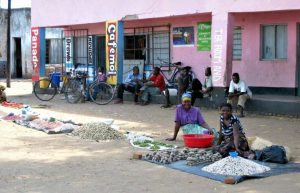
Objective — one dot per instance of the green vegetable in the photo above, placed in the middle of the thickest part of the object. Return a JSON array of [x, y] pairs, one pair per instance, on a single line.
[[155, 147], [147, 141], [137, 143], [144, 145]]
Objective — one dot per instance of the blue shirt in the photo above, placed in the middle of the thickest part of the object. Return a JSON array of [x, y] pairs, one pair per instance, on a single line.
[[131, 77]]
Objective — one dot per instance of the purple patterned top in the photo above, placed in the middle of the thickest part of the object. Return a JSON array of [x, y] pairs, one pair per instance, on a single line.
[[192, 116]]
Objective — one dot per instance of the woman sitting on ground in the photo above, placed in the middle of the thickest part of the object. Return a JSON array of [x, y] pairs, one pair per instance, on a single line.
[[231, 136], [189, 119]]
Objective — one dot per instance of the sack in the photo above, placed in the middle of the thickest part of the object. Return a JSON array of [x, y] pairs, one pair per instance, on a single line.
[[274, 153]]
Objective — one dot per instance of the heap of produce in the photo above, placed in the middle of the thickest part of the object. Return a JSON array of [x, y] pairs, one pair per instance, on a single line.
[[193, 156], [98, 132], [235, 166]]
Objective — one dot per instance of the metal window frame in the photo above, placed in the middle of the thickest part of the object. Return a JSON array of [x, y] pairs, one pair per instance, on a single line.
[[241, 49], [275, 42]]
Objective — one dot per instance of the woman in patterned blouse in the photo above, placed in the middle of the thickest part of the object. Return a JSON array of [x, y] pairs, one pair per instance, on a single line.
[[232, 135]]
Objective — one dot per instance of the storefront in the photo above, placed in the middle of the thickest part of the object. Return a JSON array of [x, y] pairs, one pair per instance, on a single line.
[[235, 40]]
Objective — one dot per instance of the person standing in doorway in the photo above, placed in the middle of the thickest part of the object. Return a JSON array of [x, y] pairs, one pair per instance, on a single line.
[[239, 93]]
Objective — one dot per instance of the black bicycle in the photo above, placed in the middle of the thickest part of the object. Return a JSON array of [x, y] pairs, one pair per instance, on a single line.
[[46, 88], [171, 72]]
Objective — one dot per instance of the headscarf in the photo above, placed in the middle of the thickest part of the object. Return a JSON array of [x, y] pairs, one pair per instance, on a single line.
[[186, 97]]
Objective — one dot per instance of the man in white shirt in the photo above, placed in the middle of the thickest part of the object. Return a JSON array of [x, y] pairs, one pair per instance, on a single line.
[[238, 92]]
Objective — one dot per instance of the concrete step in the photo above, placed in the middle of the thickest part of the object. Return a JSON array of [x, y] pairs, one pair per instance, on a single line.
[[263, 104]]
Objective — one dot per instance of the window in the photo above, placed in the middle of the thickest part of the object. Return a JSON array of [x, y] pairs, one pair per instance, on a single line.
[[274, 42], [47, 51], [53, 51], [237, 44], [135, 47]]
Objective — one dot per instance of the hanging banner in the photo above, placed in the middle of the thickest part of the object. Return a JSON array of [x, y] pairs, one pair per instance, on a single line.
[[35, 52], [69, 53], [204, 36], [38, 52], [112, 51], [90, 50]]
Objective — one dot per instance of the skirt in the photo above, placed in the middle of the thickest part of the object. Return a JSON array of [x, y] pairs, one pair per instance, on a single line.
[[227, 145]]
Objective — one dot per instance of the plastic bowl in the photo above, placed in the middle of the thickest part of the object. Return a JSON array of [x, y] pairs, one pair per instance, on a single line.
[[198, 140]]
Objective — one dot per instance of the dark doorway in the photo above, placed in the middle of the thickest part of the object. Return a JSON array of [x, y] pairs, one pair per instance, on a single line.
[[100, 47], [18, 58], [298, 60]]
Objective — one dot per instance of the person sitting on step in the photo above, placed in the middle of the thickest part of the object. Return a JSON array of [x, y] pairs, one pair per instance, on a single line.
[[239, 93], [132, 84], [154, 85]]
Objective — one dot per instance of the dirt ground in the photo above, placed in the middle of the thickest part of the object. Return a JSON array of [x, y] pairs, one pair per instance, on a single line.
[[32, 161]]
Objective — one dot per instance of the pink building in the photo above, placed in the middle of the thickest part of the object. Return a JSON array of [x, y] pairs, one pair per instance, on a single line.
[[258, 39]]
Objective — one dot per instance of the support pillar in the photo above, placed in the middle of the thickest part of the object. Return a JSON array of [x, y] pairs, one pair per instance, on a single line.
[[221, 62]]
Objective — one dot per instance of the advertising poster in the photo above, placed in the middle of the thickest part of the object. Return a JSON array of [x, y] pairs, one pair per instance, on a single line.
[[204, 36], [183, 36], [69, 53], [111, 51]]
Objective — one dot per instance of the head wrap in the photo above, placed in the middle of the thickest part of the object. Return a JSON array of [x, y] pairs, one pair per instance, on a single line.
[[186, 97]]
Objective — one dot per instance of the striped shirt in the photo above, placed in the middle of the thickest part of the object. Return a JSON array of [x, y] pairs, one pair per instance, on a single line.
[[228, 130]]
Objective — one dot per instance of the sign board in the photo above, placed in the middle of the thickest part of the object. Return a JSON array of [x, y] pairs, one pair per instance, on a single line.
[[90, 50], [35, 52], [111, 51], [69, 53], [204, 36]]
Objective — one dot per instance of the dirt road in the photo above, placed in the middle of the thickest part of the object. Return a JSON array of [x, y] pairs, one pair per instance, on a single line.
[[32, 161]]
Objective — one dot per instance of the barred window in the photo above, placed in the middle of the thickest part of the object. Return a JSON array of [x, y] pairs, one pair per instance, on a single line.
[[237, 44]]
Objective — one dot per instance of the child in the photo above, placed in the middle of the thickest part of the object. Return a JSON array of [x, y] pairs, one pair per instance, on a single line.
[[101, 77], [232, 135], [2, 94]]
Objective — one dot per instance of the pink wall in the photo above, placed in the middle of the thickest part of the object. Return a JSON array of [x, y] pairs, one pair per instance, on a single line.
[[255, 72], [187, 55], [57, 12]]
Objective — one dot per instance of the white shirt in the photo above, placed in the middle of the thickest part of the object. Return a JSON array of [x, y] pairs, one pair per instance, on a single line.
[[208, 82], [240, 87]]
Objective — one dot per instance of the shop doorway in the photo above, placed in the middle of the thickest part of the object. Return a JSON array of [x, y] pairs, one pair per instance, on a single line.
[[18, 58], [298, 60], [100, 55]]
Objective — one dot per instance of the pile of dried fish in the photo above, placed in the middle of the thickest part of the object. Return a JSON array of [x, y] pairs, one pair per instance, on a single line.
[[193, 156], [97, 132], [235, 166], [202, 156]]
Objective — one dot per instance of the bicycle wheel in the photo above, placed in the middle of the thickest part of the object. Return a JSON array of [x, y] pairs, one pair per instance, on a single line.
[[101, 93], [45, 90], [73, 91]]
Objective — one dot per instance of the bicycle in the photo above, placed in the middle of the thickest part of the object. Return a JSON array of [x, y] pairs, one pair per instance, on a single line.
[[174, 68], [46, 89], [101, 92]]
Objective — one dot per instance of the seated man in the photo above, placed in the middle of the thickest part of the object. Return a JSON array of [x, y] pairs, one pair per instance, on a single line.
[[199, 90], [131, 84], [238, 92], [155, 85], [184, 81]]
